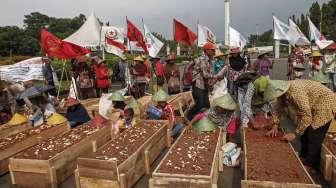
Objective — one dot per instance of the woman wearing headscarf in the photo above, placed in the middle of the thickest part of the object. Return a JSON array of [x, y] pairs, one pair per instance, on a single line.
[[235, 67]]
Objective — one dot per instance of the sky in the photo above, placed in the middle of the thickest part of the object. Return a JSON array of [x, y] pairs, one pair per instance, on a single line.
[[247, 16]]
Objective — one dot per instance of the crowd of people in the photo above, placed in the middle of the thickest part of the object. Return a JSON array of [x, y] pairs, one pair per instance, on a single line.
[[249, 91]]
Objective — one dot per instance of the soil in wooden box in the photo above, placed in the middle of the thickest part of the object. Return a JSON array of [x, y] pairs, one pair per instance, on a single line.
[[192, 155], [270, 159], [49, 148], [127, 142], [329, 143], [10, 140]]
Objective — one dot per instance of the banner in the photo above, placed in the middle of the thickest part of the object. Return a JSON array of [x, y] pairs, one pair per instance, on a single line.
[[237, 39], [280, 30], [296, 36], [205, 35], [183, 34], [30, 69], [113, 38], [154, 45], [318, 37]]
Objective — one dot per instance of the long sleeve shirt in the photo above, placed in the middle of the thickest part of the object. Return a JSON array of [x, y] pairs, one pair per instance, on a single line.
[[314, 104]]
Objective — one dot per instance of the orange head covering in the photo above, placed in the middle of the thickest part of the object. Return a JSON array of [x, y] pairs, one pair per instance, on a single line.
[[209, 46]]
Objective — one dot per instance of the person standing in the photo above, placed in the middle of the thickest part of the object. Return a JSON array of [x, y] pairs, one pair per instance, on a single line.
[[122, 64], [202, 79], [139, 73], [263, 64], [316, 63], [93, 68], [315, 108], [102, 74], [172, 74], [330, 66], [236, 66], [159, 74], [48, 75]]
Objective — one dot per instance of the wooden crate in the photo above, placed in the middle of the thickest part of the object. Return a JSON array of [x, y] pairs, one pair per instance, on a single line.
[[165, 180], [245, 183], [49, 173], [7, 130], [29, 142], [328, 165], [94, 173]]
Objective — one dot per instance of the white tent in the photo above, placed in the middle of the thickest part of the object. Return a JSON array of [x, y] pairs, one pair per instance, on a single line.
[[88, 35]]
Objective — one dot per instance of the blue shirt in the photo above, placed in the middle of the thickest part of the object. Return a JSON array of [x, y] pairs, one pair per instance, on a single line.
[[218, 66]]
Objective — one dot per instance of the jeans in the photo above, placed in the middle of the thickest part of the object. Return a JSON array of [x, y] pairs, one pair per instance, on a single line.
[[230, 87], [333, 80], [311, 143], [201, 97], [177, 130]]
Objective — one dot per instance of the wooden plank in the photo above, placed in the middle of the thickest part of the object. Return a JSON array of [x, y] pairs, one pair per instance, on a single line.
[[14, 129], [267, 184], [326, 163], [28, 142], [86, 182]]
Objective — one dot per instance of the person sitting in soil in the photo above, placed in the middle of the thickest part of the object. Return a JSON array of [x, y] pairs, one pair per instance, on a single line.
[[315, 108], [161, 98], [221, 114], [76, 113], [118, 100]]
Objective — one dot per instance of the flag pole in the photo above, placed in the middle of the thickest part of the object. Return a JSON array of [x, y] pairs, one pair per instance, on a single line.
[[60, 83]]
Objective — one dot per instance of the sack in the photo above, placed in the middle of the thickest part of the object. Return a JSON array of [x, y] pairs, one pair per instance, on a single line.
[[233, 125], [173, 85]]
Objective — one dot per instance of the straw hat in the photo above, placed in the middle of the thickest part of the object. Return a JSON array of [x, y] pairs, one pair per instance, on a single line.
[[18, 119], [316, 54], [71, 102], [321, 77], [139, 58], [204, 125], [299, 67], [220, 54], [226, 102], [263, 52], [160, 96], [56, 119], [117, 96], [171, 57], [275, 88]]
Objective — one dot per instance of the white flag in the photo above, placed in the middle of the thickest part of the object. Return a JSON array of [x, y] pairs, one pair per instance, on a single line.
[[73, 89], [315, 34], [133, 46], [237, 39], [205, 35], [280, 30], [296, 36], [153, 44], [113, 38]]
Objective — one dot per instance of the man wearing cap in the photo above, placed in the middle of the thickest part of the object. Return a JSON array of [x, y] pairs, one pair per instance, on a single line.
[[139, 73], [76, 113], [263, 65], [315, 108], [172, 74], [203, 79]]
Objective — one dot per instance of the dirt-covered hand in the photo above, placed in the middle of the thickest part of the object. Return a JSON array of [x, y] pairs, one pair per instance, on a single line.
[[273, 132], [288, 137]]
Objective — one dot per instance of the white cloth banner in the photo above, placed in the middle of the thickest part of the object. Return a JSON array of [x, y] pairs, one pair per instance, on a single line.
[[117, 35], [280, 30], [296, 36], [315, 34], [105, 104], [73, 89], [205, 35], [132, 45], [29, 69], [153, 44], [237, 39]]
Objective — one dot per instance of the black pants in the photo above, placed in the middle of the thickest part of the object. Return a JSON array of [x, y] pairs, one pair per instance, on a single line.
[[311, 143], [52, 91], [201, 98]]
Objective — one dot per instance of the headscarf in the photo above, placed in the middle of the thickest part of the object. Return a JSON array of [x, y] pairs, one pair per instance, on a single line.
[[237, 63], [221, 120]]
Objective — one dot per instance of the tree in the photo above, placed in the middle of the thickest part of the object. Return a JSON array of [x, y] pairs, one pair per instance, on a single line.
[[315, 13]]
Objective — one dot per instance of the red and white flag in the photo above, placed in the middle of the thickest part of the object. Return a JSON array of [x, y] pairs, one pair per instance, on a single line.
[[183, 34], [135, 35], [114, 39], [205, 35], [316, 35]]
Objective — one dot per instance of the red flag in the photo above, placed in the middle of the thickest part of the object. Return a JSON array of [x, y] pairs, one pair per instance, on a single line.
[[115, 43], [183, 34], [134, 34], [55, 47]]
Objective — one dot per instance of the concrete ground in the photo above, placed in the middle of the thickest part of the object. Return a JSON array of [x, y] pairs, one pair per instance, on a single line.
[[230, 177]]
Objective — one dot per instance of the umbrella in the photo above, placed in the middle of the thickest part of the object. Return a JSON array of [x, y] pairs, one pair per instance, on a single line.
[[34, 91]]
